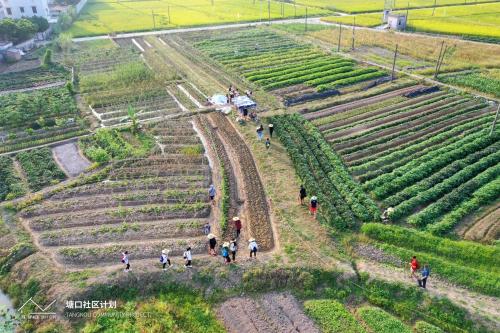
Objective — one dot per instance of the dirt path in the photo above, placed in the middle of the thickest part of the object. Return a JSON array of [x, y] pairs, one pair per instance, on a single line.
[[268, 313], [70, 159], [480, 305]]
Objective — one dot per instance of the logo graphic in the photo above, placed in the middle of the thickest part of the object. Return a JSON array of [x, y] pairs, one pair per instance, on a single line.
[[43, 311]]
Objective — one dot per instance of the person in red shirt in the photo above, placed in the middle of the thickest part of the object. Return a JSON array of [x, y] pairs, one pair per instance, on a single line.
[[237, 225], [414, 266]]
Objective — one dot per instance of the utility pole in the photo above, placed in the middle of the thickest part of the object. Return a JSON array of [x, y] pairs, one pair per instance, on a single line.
[[495, 120], [353, 28], [306, 21], [168, 11], [439, 57], [442, 58], [394, 63], [434, 8], [269, 12], [153, 16], [407, 12], [340, 37]]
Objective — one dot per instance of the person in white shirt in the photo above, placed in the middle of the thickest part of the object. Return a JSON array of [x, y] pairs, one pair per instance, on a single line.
[[164, 259], [233, 247], [188, 257], [253, 247], [125, 261]]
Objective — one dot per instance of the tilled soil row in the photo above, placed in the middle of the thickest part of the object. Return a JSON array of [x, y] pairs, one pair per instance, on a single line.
[[113, 217], [258, 219], [228, 170], [101, 203], [360, 103], [102, 254], [137, 173], [485, 229], [269, 313], [123, 232]]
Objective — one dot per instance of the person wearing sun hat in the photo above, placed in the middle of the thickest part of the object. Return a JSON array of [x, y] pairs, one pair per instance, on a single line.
[[253, 247], [313, 207], [212, 242], [225, 253], [233, 247], [237, 225], [271, 129], [164, 259]]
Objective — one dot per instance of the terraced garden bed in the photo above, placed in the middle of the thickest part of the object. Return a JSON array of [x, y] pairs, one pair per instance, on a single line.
[[33, 78]]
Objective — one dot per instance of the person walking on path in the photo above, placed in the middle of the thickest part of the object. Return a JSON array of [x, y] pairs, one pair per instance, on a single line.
[[225, 253], [125, 261], [414, 266], [253, 247], [271, 130], [188, 257], [268, 143], [260, 132], [164, 259], [212, 193], [237, 226], [212, 242], [233, 247], [302, 194], [313, 207], [426, 271]]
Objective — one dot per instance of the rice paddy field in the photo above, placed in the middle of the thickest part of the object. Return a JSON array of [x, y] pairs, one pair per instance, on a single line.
[[478, 20], [104, 16]]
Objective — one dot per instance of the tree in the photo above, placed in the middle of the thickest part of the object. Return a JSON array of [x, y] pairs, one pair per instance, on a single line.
[[47, 58], [41, 23], [65, 42], [25, 29], [134, 128]]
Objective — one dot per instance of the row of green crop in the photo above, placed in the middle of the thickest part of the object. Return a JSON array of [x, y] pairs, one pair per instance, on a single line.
[[412, 130], [333, 84], [424, 166], [378, 320], [448, 185], [332, 316], [305, 69], [317, 162], [32, 77], [10, 184], [483, 196], [466, 253], [290, 66], [453, 198], [485, 282], [393, 110], [257, 62], [438, 177], [448, 110], [390, 155], [40, 168]]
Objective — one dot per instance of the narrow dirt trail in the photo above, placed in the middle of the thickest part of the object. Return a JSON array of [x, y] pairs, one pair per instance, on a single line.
[[480, 305]]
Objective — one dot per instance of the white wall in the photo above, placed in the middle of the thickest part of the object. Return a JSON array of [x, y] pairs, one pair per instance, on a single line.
[[16, 6]]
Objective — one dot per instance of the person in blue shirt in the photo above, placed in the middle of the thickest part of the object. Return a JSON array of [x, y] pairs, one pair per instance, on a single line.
[[426, 271], [211, 193]]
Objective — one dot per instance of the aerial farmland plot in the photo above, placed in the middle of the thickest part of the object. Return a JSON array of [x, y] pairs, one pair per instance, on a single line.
[[116, 156]]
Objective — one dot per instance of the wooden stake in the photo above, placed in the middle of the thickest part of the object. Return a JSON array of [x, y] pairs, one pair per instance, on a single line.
[[353, 28], [306, 20], [439, 57], [153, 15], [442, 58], [340, 37], [434, 8]]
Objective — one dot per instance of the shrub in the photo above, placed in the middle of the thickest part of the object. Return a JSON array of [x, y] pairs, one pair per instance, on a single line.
[[424, 327]]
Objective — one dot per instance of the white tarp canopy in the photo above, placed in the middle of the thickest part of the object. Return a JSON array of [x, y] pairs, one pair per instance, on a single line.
[[243, 102], [218, 99]]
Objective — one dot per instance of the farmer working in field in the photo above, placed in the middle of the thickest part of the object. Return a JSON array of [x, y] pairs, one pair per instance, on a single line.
[[425, 274], [211, 193], [233, 247], [212, 242], [237, 225], [313, 206], [414, 266], [253, 247], [164, 259], [302, 194], [225, 253], [188, 257], [126, 261]]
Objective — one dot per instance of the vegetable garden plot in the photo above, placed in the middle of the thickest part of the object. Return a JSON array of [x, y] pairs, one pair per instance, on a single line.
[[269, 313], [40, 168], [38, 117], [425, 156], [11, 185], [33, 78], [143, 206], [273, 61]]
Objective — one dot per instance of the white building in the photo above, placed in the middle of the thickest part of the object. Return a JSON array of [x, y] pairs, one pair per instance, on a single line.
[[396, 21], [24, 8]]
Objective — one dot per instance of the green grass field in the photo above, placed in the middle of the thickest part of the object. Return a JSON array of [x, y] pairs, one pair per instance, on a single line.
[[360, 6], [481, 20], [106, 16]]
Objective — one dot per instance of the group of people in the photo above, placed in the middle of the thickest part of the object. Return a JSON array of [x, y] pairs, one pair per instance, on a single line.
[[164, 259], [313, 202], [421, 275], [260, 134]]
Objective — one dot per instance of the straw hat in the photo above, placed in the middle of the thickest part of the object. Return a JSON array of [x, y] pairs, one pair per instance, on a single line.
[[165, 251], [210, 236], [314, 197], [236, 218], [251, 240], [270, 125], [226, 244]]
